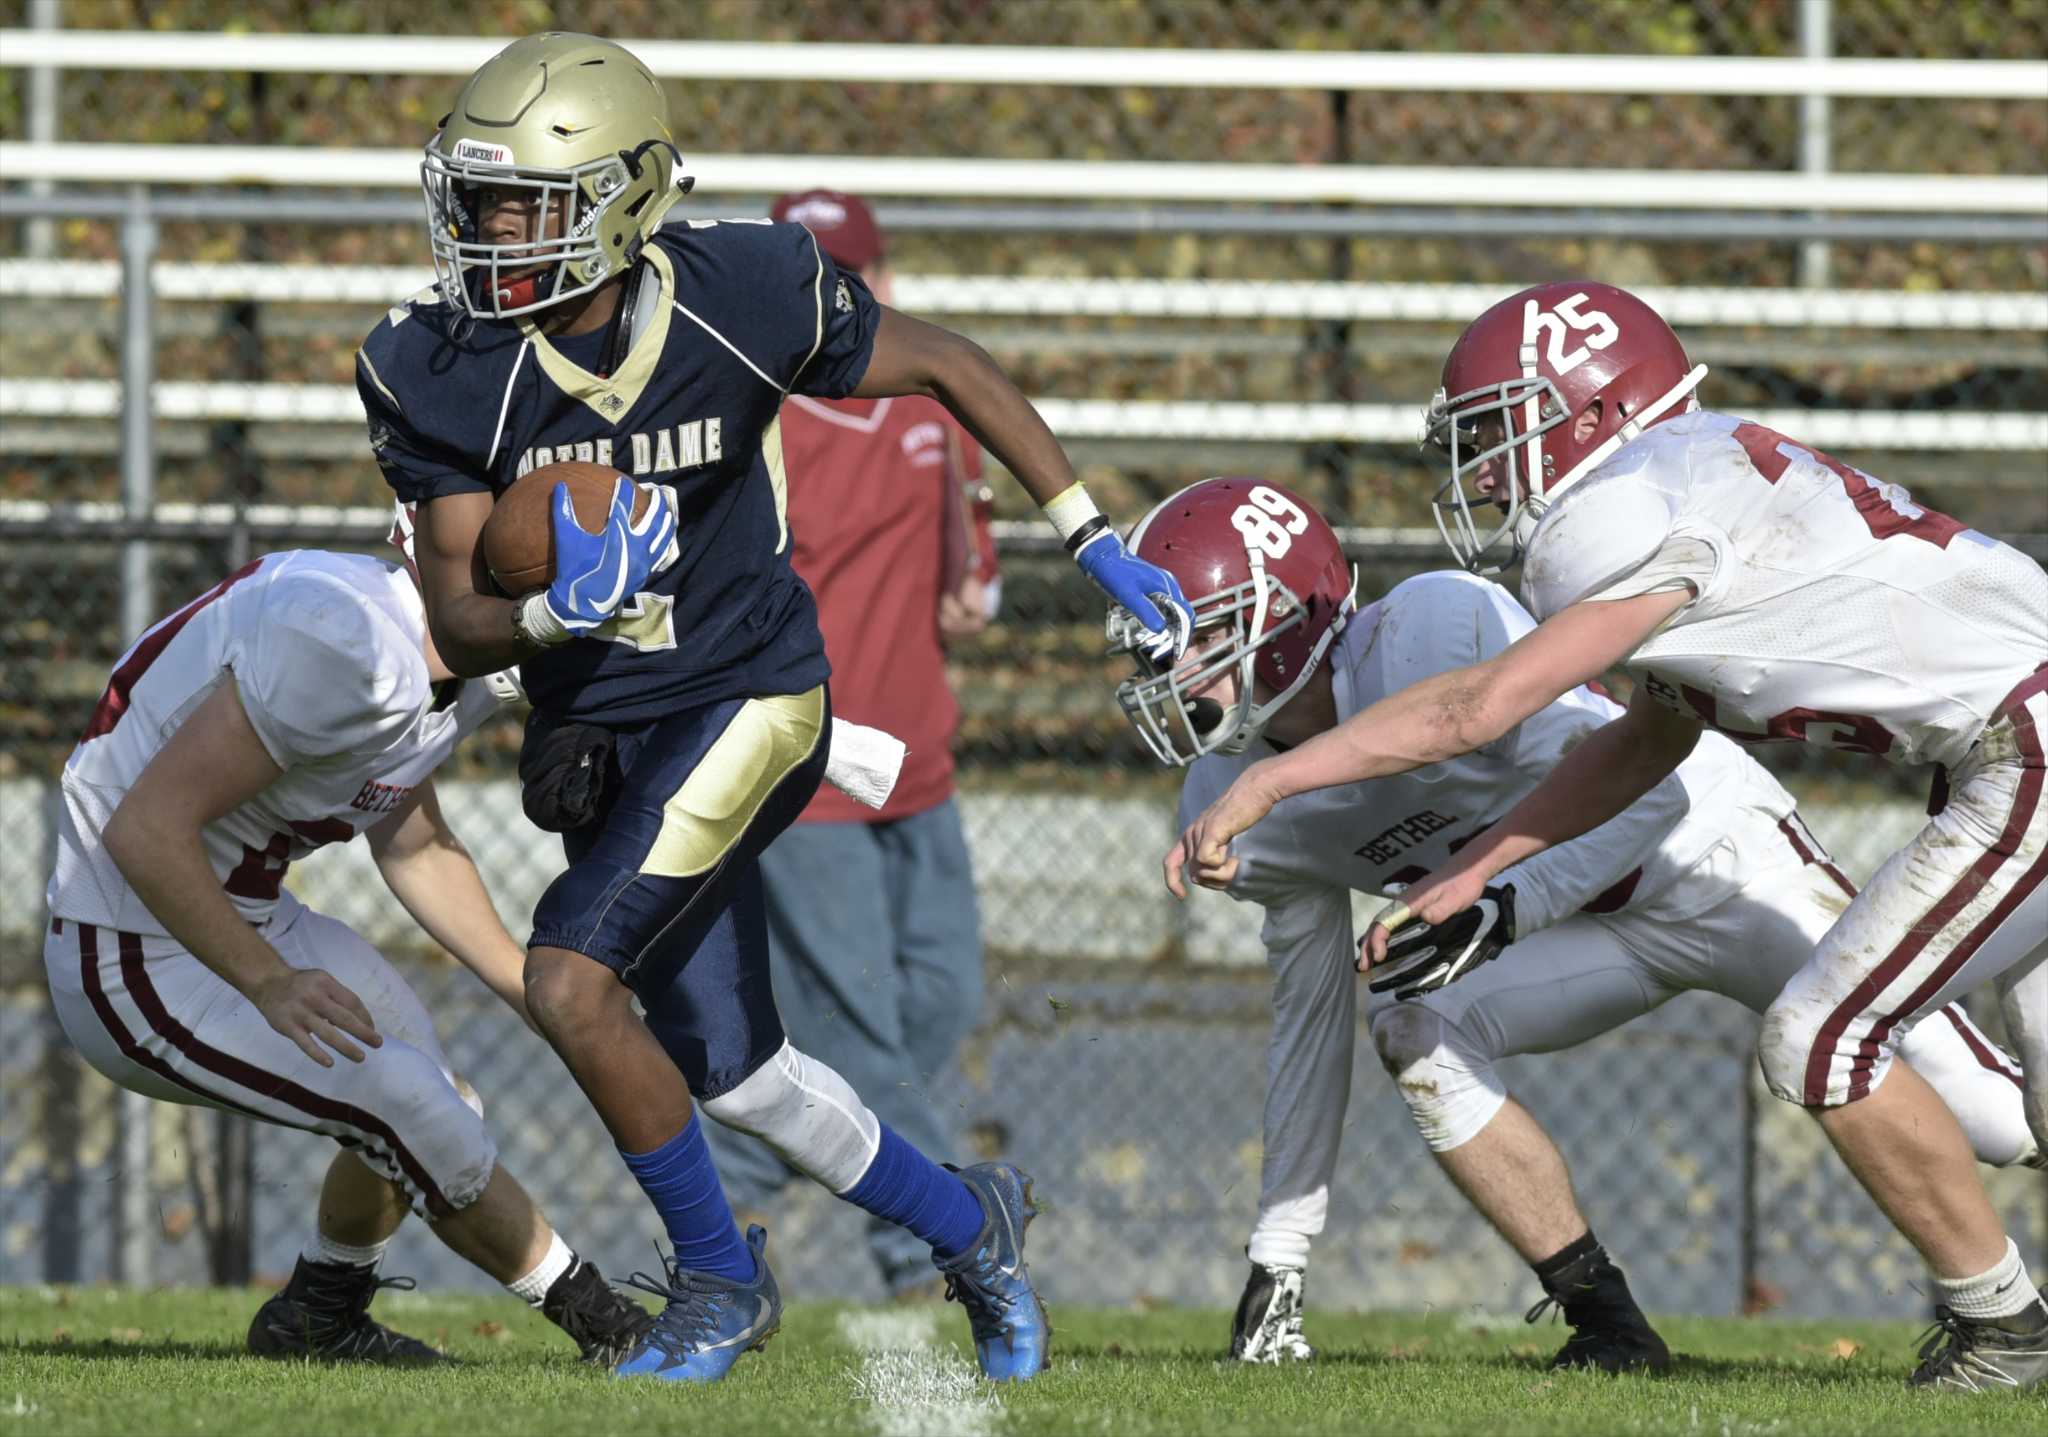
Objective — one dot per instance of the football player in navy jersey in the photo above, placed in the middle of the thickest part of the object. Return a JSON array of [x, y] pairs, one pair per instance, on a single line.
[[674, 662]]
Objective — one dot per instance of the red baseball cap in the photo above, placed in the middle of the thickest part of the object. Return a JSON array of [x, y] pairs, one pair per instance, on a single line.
[[843, 223]]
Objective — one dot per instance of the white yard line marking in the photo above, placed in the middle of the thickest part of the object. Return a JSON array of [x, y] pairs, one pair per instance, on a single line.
[[914, 1388]]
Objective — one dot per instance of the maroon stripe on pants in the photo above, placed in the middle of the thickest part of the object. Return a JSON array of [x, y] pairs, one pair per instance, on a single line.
[[2029, 881], [134, 1052], [1821, 1058], [256, 1080], [1979, 1049], [1797, 834]]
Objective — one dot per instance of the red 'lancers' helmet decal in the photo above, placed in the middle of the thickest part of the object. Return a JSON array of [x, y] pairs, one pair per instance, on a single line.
[[1270, 589], [1514, 388]]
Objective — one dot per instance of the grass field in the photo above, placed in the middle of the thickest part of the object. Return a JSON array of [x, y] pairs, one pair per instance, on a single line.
[[108, 1361]]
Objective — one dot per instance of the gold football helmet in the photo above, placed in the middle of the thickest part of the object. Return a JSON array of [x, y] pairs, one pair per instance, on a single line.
[[575, 131]]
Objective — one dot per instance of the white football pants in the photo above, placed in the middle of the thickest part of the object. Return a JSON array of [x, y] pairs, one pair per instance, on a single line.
[[1553, 990], [156, 1020]]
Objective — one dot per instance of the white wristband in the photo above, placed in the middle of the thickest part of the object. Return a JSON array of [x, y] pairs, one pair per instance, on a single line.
[[538, 622], [1070, 509]]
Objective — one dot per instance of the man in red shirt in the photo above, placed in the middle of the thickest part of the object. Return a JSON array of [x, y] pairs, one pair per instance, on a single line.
[[875, 939]]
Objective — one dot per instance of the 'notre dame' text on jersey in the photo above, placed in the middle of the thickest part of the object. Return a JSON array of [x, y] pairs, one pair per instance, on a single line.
[[746, 312]]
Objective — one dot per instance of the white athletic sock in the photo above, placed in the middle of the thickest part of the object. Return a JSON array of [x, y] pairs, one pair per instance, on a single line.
[[322, 1248], [1273, 1247], [2004, 1290], [534, 1286]]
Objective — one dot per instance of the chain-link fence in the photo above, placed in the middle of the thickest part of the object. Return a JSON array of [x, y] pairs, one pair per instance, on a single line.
[[1122, 1048]]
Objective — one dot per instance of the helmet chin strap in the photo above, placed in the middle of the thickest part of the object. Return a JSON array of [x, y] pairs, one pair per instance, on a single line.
[[1636, 425], [1259, 715], [1249, 718], [523, 291]]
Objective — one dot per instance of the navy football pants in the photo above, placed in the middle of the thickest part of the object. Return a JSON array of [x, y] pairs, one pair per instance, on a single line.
[[664, 887]]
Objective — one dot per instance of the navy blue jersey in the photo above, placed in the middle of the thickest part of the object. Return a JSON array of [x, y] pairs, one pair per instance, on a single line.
[[749, 311]]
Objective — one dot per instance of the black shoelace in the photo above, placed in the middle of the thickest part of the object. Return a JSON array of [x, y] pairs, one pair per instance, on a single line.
[[593, 1314], [346, 1302], [693, 1306]]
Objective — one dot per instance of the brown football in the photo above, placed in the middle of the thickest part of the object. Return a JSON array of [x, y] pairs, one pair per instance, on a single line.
[[519, 540]]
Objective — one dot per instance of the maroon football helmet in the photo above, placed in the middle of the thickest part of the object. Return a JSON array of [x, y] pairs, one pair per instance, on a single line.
[[1270, 589], [1513, 389]]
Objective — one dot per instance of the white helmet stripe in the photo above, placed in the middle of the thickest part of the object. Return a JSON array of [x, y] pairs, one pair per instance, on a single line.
[[1637, 423], [1532, 409]]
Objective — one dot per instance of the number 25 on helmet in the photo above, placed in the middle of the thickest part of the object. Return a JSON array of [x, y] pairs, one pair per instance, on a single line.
[[1271, 591], [1517, 416]]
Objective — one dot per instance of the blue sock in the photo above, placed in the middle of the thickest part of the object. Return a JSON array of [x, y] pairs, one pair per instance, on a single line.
[[910, 1190], [683, 1186]]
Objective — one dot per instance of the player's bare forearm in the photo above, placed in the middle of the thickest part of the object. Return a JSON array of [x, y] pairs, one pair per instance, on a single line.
[[1453, 713], [1611, 769], [210, 766], [1597, 781], [433, 876], [474, 635], [472, 627], [913, 357], [1441, 717], [161, 857], [1601, 778]]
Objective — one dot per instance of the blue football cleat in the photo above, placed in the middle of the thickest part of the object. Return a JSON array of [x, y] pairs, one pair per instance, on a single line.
[[709, 1321], [1011, 1331]]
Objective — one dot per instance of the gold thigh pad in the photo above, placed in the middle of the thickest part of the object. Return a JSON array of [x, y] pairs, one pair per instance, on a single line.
[[766, 739]]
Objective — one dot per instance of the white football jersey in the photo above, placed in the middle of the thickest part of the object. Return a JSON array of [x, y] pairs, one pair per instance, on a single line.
[[1829, 607], [325, 654], [1668, 854]]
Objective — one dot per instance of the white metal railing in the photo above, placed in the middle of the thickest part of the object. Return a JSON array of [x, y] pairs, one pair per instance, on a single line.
[[101, 50], [1107, 298], [1074, 180], [368, 523], [1240, 421], [365, 518]]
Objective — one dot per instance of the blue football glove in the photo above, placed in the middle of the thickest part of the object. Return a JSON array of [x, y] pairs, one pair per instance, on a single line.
[[595, 573], [1151, 594]]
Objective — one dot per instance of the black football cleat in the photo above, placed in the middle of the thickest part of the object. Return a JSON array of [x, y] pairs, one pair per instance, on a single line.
[[1609, 1332], [323, 1314], [604, 1323]]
